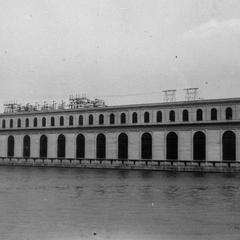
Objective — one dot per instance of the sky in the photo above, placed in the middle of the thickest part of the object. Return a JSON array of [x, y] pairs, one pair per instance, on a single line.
[[124, 51]]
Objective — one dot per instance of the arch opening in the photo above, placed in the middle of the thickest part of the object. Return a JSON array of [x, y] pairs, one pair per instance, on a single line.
[[80, 143], [185, 116], [172, 116], [199, 115], [43, 146], [11, 123], [134, 117], [43, 122], [123, 118], [159, 116], [27, 122], [146, 146], [213, 114], [61, 121], [52, 121], [146, 117], [199, 146], [80, 120], [19, 123], [228, 113], [101, 119], [123, 146], [26, 146], [172, 146], [90, 119], [35, 122], [229, 146], [10, 146], [101, 146], [112, 118], [70, 120], [61, 146]]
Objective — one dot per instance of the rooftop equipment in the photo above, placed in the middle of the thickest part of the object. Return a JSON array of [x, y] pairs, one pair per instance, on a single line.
[[75, 102]]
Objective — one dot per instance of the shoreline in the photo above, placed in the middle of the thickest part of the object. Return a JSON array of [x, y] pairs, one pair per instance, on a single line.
[[148, 165]]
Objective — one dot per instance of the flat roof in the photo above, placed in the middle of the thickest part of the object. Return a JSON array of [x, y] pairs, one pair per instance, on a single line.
[[130, 106]]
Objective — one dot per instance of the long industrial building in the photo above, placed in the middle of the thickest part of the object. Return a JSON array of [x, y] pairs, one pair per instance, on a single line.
[[207, 130]]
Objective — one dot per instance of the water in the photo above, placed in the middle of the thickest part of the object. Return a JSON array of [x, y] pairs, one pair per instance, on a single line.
[[41, 203]]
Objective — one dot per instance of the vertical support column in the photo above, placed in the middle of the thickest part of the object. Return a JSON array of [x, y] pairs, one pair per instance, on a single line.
[[35, 145], [3, 145], [158, 145], [237, 112], [70, 145], [213, 145], [111, 145], [18, 145], [134, 142], [52, 145], [90, 145], [237, 145], [185, 145]]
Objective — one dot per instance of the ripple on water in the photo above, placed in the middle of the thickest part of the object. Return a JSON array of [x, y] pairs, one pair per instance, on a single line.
[[75, 204]]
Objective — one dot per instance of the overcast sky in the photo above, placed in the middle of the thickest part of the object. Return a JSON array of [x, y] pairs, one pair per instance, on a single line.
[[52, 48]]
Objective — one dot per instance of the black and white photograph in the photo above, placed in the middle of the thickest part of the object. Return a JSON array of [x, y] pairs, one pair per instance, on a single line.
[[120, 120]]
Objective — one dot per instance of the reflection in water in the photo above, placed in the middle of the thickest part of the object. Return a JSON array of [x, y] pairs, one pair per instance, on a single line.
[[37, 203]]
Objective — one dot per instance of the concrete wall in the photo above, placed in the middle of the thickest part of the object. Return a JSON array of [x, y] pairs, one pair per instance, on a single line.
[[134, 150], [185, 143], [159, 145], [90, 145], [213, 147]]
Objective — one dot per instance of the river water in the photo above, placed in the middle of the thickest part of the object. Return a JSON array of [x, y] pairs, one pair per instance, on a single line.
[[64, 204]]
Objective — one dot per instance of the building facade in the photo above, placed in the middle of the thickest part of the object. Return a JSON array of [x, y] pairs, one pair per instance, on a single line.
[[207, 130]]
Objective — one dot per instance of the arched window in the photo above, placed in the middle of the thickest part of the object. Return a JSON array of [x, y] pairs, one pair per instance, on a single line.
[[101, 119], [213, 114], [90, 119], [134, 117], [123, 118], [80, 146], [172, 116], [3, 123], [123, 146], [35, 122], [11, 123], [185, 115], [52, 121], [172, 146], [44, 122], [159, 116], [228, 113], [61, 146], [199, 146], [19, 123], [43, 146], [199, 115], [101, 146], [61, 121], [27, 122], [70, 120], [146, 146], [146, 117], [112, 118], [26, 146], [10, 146], [80, 120], [229, 146]]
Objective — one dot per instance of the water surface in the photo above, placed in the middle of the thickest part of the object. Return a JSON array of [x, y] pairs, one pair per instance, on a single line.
[[54, 203]]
